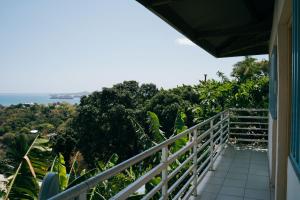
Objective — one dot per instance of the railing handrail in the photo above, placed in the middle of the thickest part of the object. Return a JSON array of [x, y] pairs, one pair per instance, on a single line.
[[200, 165], [249, 109], [93, 181]]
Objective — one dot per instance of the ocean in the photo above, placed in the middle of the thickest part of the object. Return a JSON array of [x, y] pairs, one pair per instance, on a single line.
[[13, 99]]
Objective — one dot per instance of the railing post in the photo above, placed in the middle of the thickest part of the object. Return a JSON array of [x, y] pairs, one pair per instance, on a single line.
[[222, 136], [195, 138], [164, 173], [228, 131], [191, 138], [211, 145]]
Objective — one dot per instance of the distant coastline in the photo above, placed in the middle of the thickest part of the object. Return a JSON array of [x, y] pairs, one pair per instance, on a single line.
[[68, 95], [7, 99]]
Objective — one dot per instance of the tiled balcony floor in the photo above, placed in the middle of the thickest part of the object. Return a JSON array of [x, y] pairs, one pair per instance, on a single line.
[[241, 174]]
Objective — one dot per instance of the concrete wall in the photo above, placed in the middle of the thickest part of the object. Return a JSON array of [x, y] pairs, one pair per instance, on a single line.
[[293, 189], [283, 109], [279, 132]]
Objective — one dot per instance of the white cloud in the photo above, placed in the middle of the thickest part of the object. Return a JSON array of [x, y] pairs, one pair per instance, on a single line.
[[184, 41]]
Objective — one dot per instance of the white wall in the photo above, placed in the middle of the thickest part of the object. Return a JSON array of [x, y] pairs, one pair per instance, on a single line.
[[279, 129], [293, 183]]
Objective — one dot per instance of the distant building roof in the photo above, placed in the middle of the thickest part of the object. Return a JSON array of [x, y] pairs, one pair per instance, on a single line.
[[223, 28], [34, 131]]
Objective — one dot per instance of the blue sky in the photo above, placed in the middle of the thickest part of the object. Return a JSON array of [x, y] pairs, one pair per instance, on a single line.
[[72, 45]]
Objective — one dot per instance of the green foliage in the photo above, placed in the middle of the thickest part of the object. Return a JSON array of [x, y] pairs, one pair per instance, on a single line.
[[178, 128], [59, 166], [23, 118], [249, 69], [18, 148], [65, 141], [105, 121], [109, 188], [166, 105], [140, 132], [74, 170], [154, 126], [147, 91], [34, 163], [180, 123], [111, 125], [20, 119]]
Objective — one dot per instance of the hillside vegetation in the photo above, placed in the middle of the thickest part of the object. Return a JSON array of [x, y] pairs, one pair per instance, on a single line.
[[112, 125]]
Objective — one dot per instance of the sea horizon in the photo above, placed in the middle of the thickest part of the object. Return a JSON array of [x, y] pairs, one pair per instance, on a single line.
[[8, 99]]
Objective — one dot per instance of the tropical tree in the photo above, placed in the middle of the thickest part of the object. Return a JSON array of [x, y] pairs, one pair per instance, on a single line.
[[166, 105], [249, 68]]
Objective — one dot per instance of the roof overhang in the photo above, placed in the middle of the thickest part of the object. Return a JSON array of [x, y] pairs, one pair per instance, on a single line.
[[224, 28]]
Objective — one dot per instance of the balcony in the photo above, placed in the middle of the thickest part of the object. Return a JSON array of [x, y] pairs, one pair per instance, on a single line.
[[223, 157], [241, 172]]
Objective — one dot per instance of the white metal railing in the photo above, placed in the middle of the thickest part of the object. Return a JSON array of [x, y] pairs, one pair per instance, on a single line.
[[201, 150], [248, 125], [197, 157]]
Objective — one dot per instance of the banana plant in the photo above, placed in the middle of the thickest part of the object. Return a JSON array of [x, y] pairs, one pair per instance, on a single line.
[[146, 142], [108, 188], [158, 137], [102, 191], [24, 183], [158, 134], [59, 167], [178, 128]]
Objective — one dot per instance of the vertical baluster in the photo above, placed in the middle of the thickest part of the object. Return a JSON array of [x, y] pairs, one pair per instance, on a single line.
[[211, 145], [195, 136], [228, 129], [164, 173], [222, 127], [191, 138]]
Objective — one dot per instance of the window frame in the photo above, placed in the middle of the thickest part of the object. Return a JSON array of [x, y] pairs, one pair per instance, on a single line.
[[295, 104]]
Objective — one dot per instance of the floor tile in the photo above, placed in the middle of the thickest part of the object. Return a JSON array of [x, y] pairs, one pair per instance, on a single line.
[[258, 162], [238, 176], [206, 196], [242, 165], [257, 184], [212, 188], [239, 169], [219, 174], [254, 166], [236, 191], [257, 194], [234, 183], [255, 178], [238, 161], [223, 169], [215, 180], [228, 197], [260, 172]]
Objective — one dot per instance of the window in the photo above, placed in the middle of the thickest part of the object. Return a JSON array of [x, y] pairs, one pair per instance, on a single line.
[[273, 84], [295, 107]]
